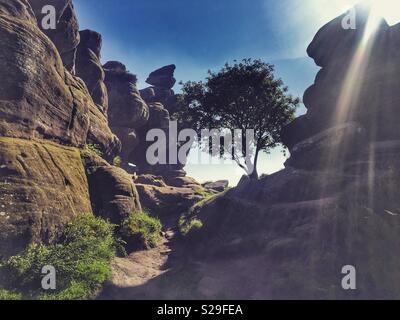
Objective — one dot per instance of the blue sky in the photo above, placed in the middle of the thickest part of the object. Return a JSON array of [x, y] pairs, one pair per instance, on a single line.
[[198, 35]]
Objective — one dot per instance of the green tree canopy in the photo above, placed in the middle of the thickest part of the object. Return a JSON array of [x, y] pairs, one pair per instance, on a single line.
[[244, 96]]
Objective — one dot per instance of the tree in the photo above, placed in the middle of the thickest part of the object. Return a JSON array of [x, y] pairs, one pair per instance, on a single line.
[[241, 96]]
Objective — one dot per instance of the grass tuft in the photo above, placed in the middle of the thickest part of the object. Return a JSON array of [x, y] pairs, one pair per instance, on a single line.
[[140, 228], [82, 261]]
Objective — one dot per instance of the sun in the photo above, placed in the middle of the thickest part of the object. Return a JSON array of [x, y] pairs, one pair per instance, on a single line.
[[388, 9], [329, 9]]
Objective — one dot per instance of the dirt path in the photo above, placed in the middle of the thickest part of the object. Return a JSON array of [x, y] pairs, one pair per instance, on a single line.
[[142, 266], [132, 276]]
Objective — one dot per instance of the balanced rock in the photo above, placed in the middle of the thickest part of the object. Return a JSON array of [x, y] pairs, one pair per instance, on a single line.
[[163, 77]]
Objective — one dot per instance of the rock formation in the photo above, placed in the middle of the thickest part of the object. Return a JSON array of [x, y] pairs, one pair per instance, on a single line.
[[39, 99], [66, 35], [357, 81], [127, 110], [162, 81], [43, 184], [89, 68], [218, 186], [47, 116], [112, 191], [336, 203], [163, 105]]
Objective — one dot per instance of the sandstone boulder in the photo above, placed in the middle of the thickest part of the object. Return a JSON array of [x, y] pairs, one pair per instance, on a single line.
[[127, 108], [158, 119], [113, 194], [165, 201], [163, 77], [219, 186], [43, 186]]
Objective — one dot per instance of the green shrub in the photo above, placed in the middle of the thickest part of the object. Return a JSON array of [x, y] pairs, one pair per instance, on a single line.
[[142, 229], [188, 226], [9, 295], [117, 161], [91, 149], [206, 194], [76, 291], [82, 262]]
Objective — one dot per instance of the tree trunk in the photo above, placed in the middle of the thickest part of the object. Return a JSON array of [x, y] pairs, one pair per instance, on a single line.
[[254, 174]]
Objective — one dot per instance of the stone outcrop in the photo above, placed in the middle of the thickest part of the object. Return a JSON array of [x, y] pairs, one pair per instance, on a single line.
[[66, 34], [127, 110], [100, 134], [46, 115], [38, 98], [162, 81], [218, 186], [357, 81], [162, 103], [89, 68], [151, 180], [337, 201], [166, 201], [163, 77], [113, 194], [42, 187]]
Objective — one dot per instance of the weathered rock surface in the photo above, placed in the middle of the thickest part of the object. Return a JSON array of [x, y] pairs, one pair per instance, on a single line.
[[219, 186], [66, 34], [357, 82], [165, 201], [163, 77], [150, 180], [89, 68], [43, 186], [158, 119], [38, 98], [42, 107], [162, 102], [127, 110], [100, 134], [112, 191]]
